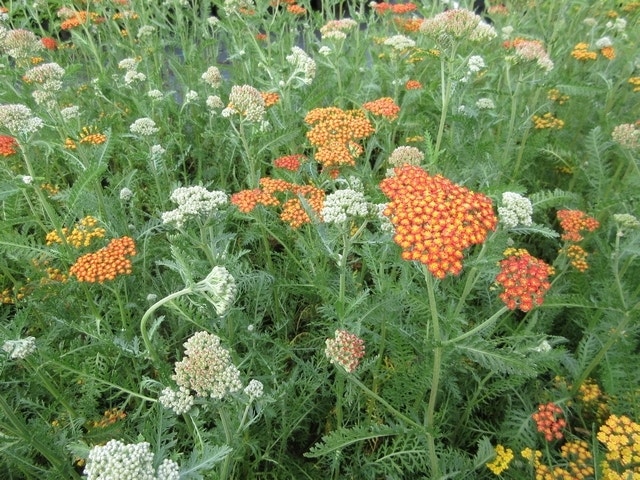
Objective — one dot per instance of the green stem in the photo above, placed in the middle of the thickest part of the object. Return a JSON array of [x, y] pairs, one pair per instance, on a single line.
[[143, 322], [435, 376], [478, 328], [445, 89], [226, 464]]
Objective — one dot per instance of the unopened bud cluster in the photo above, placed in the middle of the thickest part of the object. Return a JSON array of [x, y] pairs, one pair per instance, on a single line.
[[193, 202], [515, 210]]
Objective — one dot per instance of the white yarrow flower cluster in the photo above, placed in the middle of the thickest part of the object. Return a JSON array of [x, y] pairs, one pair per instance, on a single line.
[[69, 113], [304, 66], [155, 94], [145, 31], [400, 42], [214, 102], [406, 155], [20, 349], [207, 368], [485, 104], [246, 101], [192, 202], [20, 44], [118, 461], [131, 75], [180, 401], [144, 126], [254, 390], [19, 119], [220, 288], [515, 210], [213, 77], [342, 205]]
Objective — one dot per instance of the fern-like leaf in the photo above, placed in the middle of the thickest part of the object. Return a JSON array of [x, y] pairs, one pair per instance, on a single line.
[[343, 437]]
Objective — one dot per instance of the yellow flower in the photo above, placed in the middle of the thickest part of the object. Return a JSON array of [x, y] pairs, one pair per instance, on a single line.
[[502, 460]]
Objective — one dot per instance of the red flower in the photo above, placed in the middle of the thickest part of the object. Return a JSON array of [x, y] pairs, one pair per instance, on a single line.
[[573, 222], [524, 279], [49, 43], [8, 145], [549, 421], [435, 220], [289, 162]]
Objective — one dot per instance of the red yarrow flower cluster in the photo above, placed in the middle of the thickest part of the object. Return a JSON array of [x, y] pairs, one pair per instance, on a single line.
[[107, 263], [573, 222], [8, 145], [396, 8], [435, 219], [525, 279], [550, 421], [346, 350], [289, 162]]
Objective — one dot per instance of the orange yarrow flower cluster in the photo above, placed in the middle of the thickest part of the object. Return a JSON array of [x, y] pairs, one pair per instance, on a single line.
[[335, 133], [80, 18], [8, 145], [550, 421], [49, 43], [524, 278], [270, 98], [395, 8], [293, 210], [435, 220], [413, 85], [107, 263], [385, 107], [574, 222], [92, 136]]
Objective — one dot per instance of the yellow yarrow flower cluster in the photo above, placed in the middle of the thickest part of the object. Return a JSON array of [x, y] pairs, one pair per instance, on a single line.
[[547, 121], [82, 234], [621, 437], [577, 462], [556, 96], [635, 81], [502, 460], [581, 52]]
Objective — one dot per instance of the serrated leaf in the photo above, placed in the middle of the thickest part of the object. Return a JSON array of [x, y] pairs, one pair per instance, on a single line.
[[344, 437], [535, 229]]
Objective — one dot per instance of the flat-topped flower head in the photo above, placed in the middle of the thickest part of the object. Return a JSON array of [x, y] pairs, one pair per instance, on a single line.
[[207, 368], [107, 263], [524, 278], [193, 202], [515, 210], [459, 24], [345, 349], [248, 102], [19, 119], [19, 349], [212, 77], [627, 135], [574, 222], [20, 44], [406, 155], [550, 421], [8, 145], [384, 107], [344, 205], [435, 220]]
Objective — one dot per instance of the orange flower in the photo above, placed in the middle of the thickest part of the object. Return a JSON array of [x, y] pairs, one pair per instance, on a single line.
[[581, 52], [413, 85], [334, 132], [8, 145], [397, 8], [107, 263], [608, 52], [408, 24], [385, 107], [289, 162], [524, 279], [270, 98], [92, 136], [578, 257], [296, 9], [575, 221], [262, 37], [435, 220]]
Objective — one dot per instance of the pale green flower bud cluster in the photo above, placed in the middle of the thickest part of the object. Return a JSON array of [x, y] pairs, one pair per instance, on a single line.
[[626, 135], [343, 205], [405, 155], [20, 349], [515, 210], [119, 461], [193, 202], [220, 288], [207, 368], [627, 220]]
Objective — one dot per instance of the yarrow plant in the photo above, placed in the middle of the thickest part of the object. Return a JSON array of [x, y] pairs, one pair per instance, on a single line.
[[345, 349]]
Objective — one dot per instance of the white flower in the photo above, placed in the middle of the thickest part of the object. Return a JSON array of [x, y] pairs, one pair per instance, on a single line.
[[324, 50], [143, 126], [133, 76], [515, 210], [603, 42], [157, 151], [168, 470], [180, 401], [27, 179], [212, 76], [118, 461], [214, 102], [191, 96], [155, 94], [20, 349], [128, 64], [220, 288], [303, 65], [126, 194], [69, 113], [342, 205], [254, 389], [400, 42], [475, 63], [19, 119], [544, 347], [406, 155], [145, 31], [485, 104], [192, 202]]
